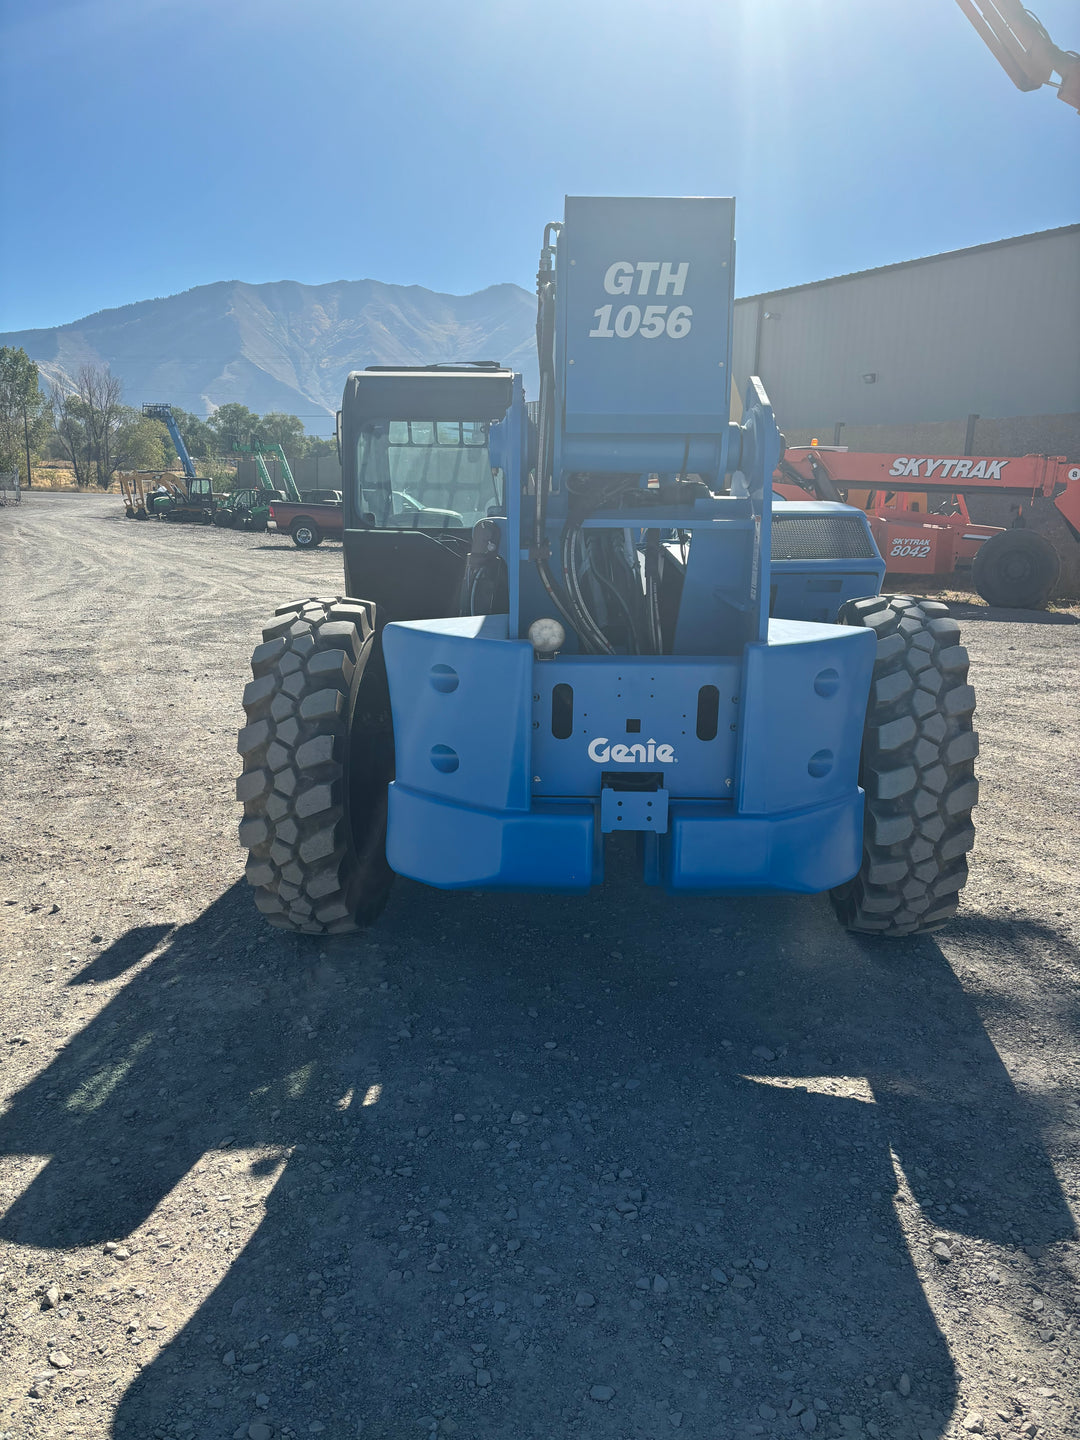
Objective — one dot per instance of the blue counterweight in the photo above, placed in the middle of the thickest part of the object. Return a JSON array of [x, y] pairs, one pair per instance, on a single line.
[[725, 736]]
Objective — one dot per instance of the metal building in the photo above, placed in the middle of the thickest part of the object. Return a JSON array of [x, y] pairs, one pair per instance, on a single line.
[[992, 330]]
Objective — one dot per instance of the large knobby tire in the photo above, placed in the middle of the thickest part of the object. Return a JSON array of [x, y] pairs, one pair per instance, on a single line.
[[1017, 569], [305, 533], [917, 769], [318, 755], [224, 519]]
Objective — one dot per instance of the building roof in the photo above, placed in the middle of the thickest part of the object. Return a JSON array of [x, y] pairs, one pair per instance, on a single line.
[[907, 264]]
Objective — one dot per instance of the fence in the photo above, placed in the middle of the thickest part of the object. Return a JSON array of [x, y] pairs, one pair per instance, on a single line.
[[321, 472], [10, 490]]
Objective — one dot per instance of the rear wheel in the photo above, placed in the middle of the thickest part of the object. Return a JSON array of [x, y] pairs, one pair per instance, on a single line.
[[1017, 569], [318, 756], [917, 769], [305, 533]]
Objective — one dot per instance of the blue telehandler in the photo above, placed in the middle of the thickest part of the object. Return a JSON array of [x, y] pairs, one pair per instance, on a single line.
[[191, 499], [588, 616]]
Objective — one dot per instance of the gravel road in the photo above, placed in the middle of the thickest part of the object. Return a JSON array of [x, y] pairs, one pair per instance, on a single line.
[[614, 1167]]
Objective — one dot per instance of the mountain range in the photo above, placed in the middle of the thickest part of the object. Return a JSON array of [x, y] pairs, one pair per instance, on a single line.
[[282, 345]]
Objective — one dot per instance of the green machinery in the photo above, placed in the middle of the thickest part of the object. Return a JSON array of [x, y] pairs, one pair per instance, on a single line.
[[247, 509], [259, 454]]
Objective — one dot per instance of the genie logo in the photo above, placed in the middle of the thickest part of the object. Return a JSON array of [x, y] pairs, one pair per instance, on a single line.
[[602, 751]]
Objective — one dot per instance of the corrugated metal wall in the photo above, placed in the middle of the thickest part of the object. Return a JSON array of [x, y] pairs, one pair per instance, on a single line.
[[994, 330]]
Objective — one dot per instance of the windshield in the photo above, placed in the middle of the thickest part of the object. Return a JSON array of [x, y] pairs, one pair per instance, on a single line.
[[427, 475]]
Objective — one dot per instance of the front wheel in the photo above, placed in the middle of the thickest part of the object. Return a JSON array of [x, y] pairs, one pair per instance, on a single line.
[[318, 757], [1017, 569], [224, 519], [916, 769], [305, 533]]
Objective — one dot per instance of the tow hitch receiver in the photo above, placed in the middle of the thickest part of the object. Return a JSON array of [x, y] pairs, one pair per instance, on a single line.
[[633, 802]]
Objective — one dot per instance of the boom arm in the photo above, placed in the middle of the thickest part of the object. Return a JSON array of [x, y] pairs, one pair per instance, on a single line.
[[1022, 47], [264, 475], [164, 413], [286, 473], [1027, 476]]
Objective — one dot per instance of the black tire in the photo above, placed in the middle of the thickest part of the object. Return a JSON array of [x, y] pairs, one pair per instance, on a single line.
[[318, 755], [141, 515], [917, 769], [224, 519], [305, 533], [1017, 569], [129, 511]]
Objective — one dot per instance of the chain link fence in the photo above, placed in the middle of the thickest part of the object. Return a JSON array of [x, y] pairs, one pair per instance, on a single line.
[[10, 489]]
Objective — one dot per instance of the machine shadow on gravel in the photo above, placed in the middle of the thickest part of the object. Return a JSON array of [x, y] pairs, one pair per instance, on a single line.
[[622, 1119], [132, 947]]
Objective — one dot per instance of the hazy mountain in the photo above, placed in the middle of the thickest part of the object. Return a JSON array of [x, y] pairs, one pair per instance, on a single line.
[[284, 346]]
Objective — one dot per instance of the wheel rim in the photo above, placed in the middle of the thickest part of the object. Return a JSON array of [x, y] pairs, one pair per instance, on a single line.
[[1017, 567], [304, 535]]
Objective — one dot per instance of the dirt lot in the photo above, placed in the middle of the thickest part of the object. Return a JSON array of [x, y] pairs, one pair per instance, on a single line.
[[608, 1167]]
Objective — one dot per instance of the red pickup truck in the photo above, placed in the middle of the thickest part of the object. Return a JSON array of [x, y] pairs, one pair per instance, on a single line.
[[308, 521]]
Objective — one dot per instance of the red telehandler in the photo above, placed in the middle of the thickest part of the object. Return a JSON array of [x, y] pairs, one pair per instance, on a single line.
[[918, 513]]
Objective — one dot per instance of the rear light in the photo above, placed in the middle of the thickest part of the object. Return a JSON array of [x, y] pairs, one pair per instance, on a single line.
[[272, 515]]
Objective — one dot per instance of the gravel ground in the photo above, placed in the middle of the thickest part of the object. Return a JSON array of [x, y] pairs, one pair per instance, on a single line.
[[614, 1166]]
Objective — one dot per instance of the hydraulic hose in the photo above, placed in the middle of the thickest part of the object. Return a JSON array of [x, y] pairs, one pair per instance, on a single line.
[[579, 620]]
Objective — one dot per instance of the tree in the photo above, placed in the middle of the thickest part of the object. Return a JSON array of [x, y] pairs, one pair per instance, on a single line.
[[140, 443], [88, 423], [69, 426], [287, 431], [233, 425], [24, 410]]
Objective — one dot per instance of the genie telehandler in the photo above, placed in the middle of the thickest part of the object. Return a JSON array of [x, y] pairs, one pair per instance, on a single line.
[[583, 618]]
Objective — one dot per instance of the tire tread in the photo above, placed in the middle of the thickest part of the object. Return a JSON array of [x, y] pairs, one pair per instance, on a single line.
[[295, 747], [916, 836]]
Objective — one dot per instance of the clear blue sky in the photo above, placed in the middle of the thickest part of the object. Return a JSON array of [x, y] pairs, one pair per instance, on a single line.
[[153, 145]]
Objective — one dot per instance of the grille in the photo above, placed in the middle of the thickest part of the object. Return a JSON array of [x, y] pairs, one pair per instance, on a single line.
[[820, 537]]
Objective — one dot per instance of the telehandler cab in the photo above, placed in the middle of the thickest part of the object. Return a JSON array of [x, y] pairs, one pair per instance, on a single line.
[[586, 618]]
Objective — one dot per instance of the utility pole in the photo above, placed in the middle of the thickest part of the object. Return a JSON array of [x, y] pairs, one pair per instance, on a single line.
[[26, 441]]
